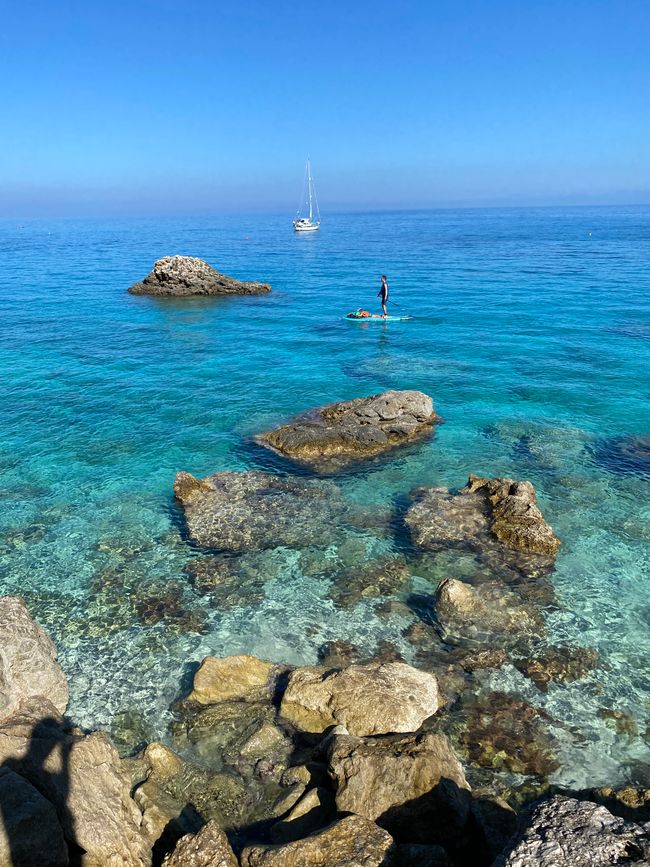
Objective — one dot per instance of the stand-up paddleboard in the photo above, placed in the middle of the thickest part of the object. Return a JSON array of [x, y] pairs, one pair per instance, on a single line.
[[352, 317]]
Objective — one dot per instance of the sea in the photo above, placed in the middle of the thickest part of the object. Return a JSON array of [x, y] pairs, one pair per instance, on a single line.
[[530, 330]]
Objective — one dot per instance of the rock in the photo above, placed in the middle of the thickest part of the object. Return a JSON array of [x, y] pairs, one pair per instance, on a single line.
[[315, 810], [483, 513], [503, 732], [561, 664], [251, 511], [629, 803], [83, 778], [165, 819], [627, 455], [621, 721], [30, 833], [208, 848], [28, 665], [485, 611], [381, 577], [418, 855], [338, 654], [348, 842], [367, 699], [245, 678], [564, 832], [180, 276], [413, 786], [332, 436]]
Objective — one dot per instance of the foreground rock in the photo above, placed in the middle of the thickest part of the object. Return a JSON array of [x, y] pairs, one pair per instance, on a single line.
[[350, 842], [245, 678], [563, 832], [180, 276], [28, 665], [486, 510], [367, 699], [29, 828], [337, 434], [413, 786], [208, 848], [251, 510]]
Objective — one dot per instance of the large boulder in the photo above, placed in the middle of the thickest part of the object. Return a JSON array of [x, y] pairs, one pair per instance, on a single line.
[[483, 513], [413, 786], [82, 776], [30, 833], [244, 678], [334, 435], [371, 699], [564, 832], [252, 510], [349, 842], [180, 276], [28, 665], [208, 848]]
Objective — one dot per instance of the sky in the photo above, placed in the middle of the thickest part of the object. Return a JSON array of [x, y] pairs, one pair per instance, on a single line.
[[170, 107]]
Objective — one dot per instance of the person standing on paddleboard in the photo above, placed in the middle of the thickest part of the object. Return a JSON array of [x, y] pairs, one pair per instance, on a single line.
[[383, 293]]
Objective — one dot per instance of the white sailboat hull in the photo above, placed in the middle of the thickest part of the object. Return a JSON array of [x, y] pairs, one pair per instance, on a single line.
[[307, 223], [305, 227]]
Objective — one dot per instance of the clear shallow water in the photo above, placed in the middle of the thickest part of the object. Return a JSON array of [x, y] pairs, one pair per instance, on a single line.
[[532, 333]]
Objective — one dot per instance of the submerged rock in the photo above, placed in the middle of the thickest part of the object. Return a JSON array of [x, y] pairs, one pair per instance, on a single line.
[[485, 511], [334, 435], [348, 842], [413, 786], [367, 699], [381, 577], [28, 665], [252, 510], [209, 847], [232, 677], [628, 455], [180, 276], [560, 664], [564, 832]]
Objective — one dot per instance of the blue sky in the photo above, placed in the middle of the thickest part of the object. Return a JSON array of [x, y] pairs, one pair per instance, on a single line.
[[153, 106]]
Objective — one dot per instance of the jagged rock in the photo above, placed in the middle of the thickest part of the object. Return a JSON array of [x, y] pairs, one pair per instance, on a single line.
[[207, 848], [629, 803], [28, 665], [332, 436], [179, 276], [485, 611], [315, 810], [560, 664], [82, 776], [564, 832], [480, 515], [413, 786], [30, 833], [349, 842], [367, 699], [245, 678], [251, 510]]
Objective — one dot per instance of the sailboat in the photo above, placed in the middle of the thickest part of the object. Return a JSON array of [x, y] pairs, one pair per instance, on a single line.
[[308, 224]]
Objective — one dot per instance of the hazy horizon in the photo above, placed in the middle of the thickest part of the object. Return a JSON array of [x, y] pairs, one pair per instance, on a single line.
[[147, 108]]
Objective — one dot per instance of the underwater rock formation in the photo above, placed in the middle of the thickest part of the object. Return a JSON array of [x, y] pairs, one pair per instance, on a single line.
[[564, 832], [628, 455], [328, 438], [367, 699], [28, 665], [182, 276], [480, 515], [251, 511], [559, 664]]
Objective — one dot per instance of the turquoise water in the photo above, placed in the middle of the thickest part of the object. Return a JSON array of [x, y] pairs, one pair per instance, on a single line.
[[531, 332]]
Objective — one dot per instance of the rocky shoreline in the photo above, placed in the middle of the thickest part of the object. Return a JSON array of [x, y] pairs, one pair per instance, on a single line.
[[356, 760]]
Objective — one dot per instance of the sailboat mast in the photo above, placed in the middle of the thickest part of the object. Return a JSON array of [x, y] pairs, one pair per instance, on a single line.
[[309, 184]]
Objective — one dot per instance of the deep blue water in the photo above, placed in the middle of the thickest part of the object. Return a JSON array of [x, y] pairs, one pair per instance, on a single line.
[[531, 332]]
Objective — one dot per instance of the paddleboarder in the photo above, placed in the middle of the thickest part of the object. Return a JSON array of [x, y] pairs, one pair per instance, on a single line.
[[383, 294]]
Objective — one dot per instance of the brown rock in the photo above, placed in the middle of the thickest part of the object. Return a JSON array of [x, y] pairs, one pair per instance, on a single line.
[[413, 786], [559, 665], [349, 842], [245, 678], [315, 810], [180, 276], [30, 833], [28, 665], [207, 848], [366, 699], [334, 435]]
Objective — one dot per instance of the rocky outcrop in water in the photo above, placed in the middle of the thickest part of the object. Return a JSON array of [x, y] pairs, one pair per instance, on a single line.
[[182, 276], [367, 699], [250, 511], [488, 516], [28, 665], [332, 436], [564, 832]]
